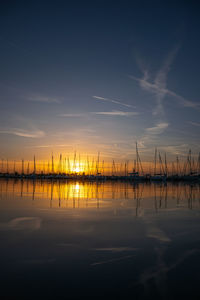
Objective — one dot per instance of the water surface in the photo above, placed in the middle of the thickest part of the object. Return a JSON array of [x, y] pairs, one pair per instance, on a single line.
[[110, 240]]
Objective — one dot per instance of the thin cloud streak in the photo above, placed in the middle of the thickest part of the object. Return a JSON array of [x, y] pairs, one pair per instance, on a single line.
[[24, 133], [106, 113], [50, 146], [158, 129], [71, 115], [175, 149], [44, 99], [151, 134], [117, 113], [194, 124], [113, 101]]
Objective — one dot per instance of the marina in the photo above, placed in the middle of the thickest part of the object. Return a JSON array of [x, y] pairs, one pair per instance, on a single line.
[[188, 169]]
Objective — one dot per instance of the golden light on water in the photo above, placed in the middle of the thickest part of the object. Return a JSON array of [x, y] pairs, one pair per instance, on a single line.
[[74, 194]]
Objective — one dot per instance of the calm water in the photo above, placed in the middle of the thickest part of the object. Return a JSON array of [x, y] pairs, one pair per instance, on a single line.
[[99, 241]]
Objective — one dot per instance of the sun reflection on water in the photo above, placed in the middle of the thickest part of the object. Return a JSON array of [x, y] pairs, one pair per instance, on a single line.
[[84, 194]]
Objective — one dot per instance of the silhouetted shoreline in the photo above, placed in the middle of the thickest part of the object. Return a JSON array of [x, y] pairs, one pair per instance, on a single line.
[[130, 178]]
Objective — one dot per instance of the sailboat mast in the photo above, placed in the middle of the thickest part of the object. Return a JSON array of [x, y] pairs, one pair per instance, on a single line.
[[166, 169], [22, 167], [92, 168], [198, 168], [60, 164], [177, 166], [137, 159], [79, 162], [68, 167], [34, 165], [161, 164], [88, 166], [97, 164], [155, 158], [65, 167], [112, 168], [172, 168], [190, 161], [134, 168], [142, 171], [74, 164], [43, 171], [52, 164]]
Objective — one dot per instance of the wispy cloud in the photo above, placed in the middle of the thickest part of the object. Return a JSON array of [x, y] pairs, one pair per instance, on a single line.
[[23, 132], [106, 113], [50, 146], [116, 113], [113, 101], [158, 87], [44, 99], [151, 136], [71, 115], [175, 149], [194, 124], [158, 129]]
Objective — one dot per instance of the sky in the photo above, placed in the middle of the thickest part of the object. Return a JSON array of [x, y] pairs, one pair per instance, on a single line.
[[97, 76]]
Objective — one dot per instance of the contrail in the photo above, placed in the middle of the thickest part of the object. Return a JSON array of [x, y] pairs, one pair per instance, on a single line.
[[113, 101]]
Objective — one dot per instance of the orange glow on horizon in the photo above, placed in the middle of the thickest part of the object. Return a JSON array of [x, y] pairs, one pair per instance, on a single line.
[[92, 166]]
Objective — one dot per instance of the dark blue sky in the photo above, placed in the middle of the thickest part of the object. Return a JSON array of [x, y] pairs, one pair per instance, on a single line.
[[99, 75]]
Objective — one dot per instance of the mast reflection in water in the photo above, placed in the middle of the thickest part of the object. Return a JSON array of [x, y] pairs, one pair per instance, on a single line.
[[99, 240]]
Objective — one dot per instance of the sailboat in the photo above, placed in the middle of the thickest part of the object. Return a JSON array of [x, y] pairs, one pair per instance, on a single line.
[[135, 175], [160, 176]]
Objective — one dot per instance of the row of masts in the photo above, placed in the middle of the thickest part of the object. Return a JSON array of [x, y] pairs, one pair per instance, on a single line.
[[95, 167], [176, 168]]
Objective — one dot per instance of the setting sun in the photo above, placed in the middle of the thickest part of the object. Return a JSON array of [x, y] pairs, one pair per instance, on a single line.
[[77, 170]]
